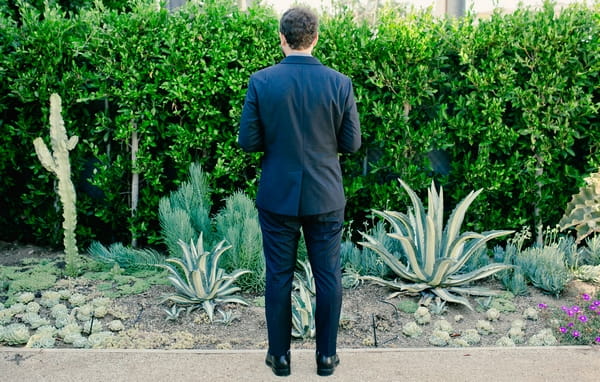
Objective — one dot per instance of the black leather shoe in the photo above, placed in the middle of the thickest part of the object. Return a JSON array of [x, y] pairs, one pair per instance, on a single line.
[[326, 365], [280, 365]]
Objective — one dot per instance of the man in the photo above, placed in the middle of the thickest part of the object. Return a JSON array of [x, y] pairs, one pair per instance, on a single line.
[[300, 114]]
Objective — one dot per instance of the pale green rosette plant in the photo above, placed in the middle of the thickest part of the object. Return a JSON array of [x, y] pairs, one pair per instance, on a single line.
[[583, 211], [435, 254], [199, 280]]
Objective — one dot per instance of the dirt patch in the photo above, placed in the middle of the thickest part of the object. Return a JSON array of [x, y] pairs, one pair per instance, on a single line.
[[369, 317], [14, 253]]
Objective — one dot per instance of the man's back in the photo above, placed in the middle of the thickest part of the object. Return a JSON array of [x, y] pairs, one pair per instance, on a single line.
[[301, 114]]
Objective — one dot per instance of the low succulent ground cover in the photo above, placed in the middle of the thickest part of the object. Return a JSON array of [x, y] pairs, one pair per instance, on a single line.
[[110, 309]]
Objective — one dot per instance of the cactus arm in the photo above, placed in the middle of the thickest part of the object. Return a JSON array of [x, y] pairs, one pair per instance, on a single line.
[[44, 155], [72, 142]]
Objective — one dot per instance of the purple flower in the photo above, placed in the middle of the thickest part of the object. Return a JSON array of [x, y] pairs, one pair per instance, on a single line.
[[598, 340], [575, 333], [576, 309], [585, 296], [571, 312], [570, 324], [593, 307], [583, 318], [564, 330], [565, 308], [542, 306], [597, 303]]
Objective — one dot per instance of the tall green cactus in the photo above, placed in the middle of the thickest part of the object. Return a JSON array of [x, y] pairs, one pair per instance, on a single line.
[[583, 211], [58, 163]]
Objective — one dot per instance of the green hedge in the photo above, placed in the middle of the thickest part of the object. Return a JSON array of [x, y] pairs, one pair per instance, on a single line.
[[507, 104]]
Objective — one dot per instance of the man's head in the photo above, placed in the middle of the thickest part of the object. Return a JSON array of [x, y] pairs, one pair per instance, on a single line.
[[300, 27]]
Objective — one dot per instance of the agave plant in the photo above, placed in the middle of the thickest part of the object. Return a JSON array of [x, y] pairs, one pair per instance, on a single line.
[[198, 279], [303, 313], [435, 254], [583, 211], [303, 305]]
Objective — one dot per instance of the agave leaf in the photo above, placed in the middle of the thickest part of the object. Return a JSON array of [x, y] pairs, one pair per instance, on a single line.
[[475, 291], [430, 249], [474, 246], [447, 296], [398, 285], [456, 247], [411, 254], [181, 286], [176, 279], [209, 308], [419, 215], [229, 280], [214, 261], [188, 255], [226, 291], [179, 299], [398, 221], [231, 300], [436, 206], [174, 269], [456, 218], [488, 270], [395, 265], [441, 272], [392, 284], [199, 286]]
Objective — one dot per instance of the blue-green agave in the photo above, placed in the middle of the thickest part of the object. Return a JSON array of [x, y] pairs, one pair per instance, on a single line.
[[303, 303], [435, 254], [198, 279]]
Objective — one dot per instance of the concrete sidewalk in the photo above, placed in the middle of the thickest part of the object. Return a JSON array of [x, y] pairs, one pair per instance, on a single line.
[[565, 363]]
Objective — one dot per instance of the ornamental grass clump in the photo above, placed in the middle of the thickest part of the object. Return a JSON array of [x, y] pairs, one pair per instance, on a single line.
[[435, 254], [579, 323]]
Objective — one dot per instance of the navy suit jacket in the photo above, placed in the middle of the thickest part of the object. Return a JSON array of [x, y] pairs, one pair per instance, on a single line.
[[301, 114]]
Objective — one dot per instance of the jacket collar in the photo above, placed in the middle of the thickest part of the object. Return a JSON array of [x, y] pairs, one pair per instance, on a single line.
[[300, 59]]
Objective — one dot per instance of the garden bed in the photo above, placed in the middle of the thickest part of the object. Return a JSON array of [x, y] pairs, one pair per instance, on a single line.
[[369, 317]]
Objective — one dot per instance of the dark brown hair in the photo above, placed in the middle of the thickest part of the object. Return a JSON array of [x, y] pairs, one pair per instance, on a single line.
[[299, 25]]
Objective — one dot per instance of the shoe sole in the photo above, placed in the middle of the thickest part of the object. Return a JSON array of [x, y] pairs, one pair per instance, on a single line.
[[325, 372], [279, 372]]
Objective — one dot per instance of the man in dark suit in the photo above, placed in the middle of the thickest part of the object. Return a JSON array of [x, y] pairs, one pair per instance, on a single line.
[[300, 114]]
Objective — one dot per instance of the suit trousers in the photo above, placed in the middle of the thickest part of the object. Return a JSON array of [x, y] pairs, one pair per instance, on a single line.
[[322, 234]]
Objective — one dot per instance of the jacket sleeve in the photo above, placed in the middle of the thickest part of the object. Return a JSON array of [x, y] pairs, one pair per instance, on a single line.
[[349, 139], [251, 137]]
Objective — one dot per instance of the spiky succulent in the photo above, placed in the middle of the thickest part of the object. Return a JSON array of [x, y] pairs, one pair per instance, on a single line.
[[583, 211], [303, 312], [199, 280], [303, 302], [435, 254]]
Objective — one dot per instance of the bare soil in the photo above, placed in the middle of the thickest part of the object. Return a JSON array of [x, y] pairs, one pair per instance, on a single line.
[[369, 317]]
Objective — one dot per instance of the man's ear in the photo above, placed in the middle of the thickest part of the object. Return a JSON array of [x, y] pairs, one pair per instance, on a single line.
[[282, 39], [315, 40]]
